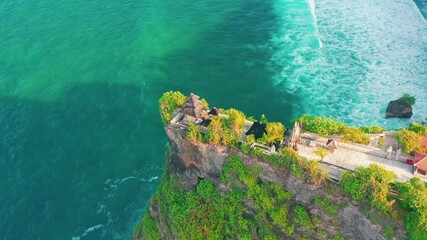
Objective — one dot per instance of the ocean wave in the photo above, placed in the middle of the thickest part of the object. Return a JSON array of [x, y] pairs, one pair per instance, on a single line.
[[422, 5], [297, 53], [373, 52]]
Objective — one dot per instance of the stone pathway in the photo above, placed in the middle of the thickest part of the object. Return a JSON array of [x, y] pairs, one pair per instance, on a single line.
[[350, 157]]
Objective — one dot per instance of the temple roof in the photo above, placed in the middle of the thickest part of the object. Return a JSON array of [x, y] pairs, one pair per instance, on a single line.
[[257, 129], [192, 106], [214, 111], [331, 143], [420, 161]]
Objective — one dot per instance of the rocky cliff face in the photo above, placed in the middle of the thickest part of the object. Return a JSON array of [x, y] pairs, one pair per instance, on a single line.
[[191, 162]]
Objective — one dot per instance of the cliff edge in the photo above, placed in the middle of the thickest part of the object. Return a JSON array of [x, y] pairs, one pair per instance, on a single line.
[[217, 192]]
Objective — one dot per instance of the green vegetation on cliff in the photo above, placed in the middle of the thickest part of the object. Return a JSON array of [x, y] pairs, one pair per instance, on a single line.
[[414, 195], [147, 229], [245, 208], [374, 185], [221, 130], [226, 131], [304, 169], [328, 126], [239, 205], [193, 133], [168, 103], [410, 138], [274, 133]]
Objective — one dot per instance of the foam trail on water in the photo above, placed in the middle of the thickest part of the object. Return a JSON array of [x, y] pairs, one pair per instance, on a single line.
[[297, 55], [312, 4], [87, 231]]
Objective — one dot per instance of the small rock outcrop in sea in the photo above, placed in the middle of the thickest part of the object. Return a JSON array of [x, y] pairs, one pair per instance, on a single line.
[[398, 108]]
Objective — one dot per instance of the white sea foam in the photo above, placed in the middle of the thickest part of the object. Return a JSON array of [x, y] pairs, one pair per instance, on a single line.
[[113, 183], [373, 52], [312, 4], [87, 231]]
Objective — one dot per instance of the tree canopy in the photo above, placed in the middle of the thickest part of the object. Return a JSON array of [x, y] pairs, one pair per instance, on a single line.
[[169, 102], [410, 141], [372, 184]]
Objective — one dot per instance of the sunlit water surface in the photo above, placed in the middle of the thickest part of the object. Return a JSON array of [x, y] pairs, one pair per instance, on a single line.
[[81, 141]]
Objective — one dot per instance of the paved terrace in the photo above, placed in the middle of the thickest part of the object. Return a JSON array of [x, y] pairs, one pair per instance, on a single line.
[[350, 156], [347, 156]]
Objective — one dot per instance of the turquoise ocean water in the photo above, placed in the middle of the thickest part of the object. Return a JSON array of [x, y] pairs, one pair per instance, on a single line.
[[81, 141]]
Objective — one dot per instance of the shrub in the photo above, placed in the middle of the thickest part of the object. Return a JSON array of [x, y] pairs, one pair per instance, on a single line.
[[193, 133], [276, 160], [371, 184], [203, 213], [352, 185], [283, 159], [418, 128], [409, 140], [275, 132], [321, 126], [258, 152], [233, 167], [269, 199], [414, 194], [288, 153], [205, 104], [226, 131], [321, 152], [309, 170], [214, 133], [264, 119], [246, 145], [168, 103], [352, 134], [219, 133], [236, 121], [328, 126], [416, 231], [372, 129], [149, 227], [408, 99], [313, 172]]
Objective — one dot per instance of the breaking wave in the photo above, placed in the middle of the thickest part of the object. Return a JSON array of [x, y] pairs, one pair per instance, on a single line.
[[372, 52]]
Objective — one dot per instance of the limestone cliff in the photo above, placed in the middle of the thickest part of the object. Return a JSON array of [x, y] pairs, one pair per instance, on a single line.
[[189, 163]]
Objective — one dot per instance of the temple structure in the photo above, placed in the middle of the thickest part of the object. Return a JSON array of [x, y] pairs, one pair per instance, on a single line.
[[420, 163], [331, 145], [193, 106]]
